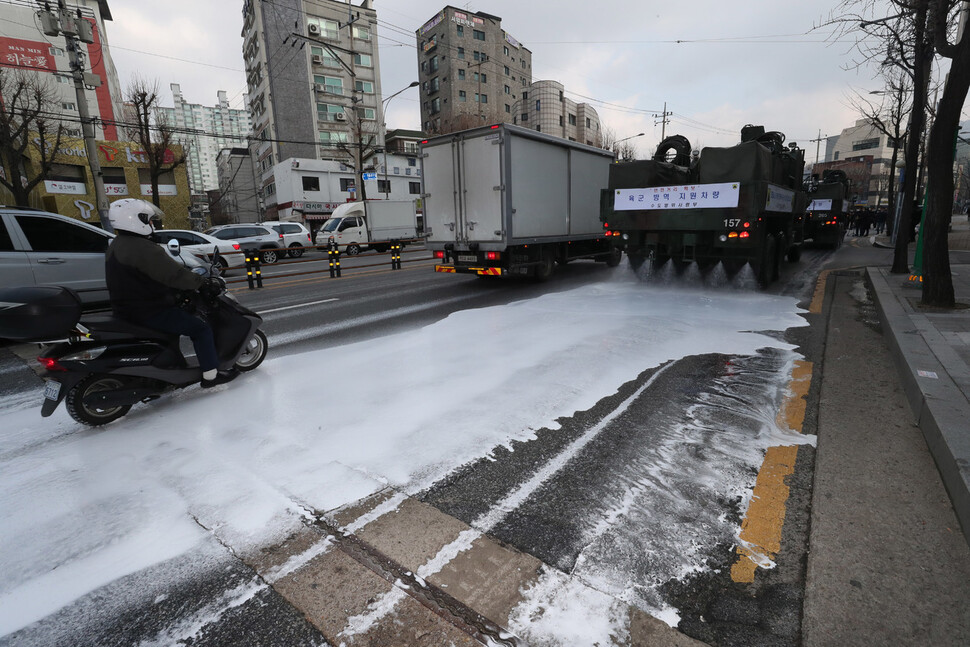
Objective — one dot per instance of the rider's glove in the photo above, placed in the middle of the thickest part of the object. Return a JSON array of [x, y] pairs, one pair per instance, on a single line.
[[213, 287]]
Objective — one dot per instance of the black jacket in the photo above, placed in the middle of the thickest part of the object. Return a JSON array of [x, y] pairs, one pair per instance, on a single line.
[[143, 278]]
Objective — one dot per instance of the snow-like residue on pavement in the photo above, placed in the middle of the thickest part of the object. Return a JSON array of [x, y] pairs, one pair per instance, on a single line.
[[80, 507]]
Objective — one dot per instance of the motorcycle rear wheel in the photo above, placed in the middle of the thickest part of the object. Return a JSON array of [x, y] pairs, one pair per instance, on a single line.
[[254, 354], [90, 415]]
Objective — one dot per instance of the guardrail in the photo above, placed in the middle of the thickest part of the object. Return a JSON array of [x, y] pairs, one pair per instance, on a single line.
[[254, 265]]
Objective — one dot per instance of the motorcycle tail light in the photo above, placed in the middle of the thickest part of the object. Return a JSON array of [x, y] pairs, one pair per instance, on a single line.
[[51, 364], [85, 354]]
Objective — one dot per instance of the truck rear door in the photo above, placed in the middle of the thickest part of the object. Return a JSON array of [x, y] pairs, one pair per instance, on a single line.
[[439, 169], [481, 188]]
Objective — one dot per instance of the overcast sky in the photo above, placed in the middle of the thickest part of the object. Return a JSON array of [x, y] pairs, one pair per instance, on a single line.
[[717, 66]]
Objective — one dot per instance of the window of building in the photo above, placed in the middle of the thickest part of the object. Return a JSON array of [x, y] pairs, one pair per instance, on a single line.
[[478, 34], [461, 52], [362, 33], [477, 55], [460, 30], [270, 189], [56, 51], [484, 78], [332, 138], [538, 128], [525, 117], [412, 161], [325, 56], [587, 122], [523, 63], [326, 111], [435, 85], [525, 96], [331, 84], [311, 183], [572, 120], [435, 105], [363, 60], [347, 183], [505, 49], [507, 71], [63, 78], [434, 63], [67, 106], [508, 108], [366, 87], [414, 188], [327, 28], [424, 65], [866, 144], [561, 121], [383, 186], [538, 105], [462, 97], [367, 113], [461, 74], [508, 90]]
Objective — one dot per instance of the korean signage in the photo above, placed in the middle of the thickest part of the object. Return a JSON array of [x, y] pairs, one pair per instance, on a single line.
[[431, 24], [820, 205], [511, 41], [463, 19], [30, 54], [71, 188], [431, 44], [694, 196], [163, 189], [779, 199], [316, 206]]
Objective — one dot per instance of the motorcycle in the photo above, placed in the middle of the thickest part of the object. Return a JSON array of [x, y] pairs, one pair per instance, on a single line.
[[106, 365]]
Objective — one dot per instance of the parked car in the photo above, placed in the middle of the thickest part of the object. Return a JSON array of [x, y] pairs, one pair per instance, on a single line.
[[295, 236], [230, 251], [253, 236], [41, 248]]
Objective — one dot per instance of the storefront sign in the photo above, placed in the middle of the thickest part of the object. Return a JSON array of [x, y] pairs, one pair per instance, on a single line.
[[71, 188], [316, 206], [118, 189], [695, 196], [163, 189]]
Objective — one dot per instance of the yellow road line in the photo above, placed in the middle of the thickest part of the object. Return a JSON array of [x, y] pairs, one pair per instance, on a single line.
[[816, 306], [761, 528]]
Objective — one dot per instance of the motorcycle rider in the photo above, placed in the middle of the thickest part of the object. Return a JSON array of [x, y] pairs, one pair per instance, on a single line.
[[143, 280]]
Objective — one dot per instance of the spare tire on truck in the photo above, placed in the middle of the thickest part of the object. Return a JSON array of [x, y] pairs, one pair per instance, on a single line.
[[680, 145]]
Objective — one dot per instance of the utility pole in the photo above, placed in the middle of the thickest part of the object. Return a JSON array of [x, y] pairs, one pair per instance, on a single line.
[[77, 30], [818, 143], [663, 121]]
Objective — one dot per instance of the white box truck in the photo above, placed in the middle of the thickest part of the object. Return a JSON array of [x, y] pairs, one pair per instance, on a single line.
[[356, 226], [506, 200]]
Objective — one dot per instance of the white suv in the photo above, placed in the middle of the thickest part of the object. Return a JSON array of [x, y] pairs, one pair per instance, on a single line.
[[295, 236]]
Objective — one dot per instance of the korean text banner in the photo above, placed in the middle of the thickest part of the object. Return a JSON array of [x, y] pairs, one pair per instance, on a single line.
[[693, 196]]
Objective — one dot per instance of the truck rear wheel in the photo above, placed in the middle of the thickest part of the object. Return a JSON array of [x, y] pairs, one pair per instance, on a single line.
[[547, 263]]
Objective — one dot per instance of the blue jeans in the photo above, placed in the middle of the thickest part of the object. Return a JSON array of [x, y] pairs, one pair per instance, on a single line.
[[180, 322]]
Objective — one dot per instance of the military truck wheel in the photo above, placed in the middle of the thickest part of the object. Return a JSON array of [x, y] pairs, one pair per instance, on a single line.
[[767, 273], [616, 254], [636, 260]]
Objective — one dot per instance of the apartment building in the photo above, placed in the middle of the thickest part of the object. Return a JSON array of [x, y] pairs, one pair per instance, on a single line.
[[219, 127], [471, 71], [544, 107], [868, 152]]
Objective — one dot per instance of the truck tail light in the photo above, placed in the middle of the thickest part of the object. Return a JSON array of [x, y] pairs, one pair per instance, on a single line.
[[744, 234], [439, 254], [492, 256], [746, 225]]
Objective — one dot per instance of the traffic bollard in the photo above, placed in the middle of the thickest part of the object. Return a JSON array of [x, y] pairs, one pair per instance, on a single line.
[[333, 253], [253, 272], [395, 254]]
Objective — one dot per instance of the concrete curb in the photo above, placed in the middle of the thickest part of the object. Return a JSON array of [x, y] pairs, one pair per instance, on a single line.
[[939, 405]]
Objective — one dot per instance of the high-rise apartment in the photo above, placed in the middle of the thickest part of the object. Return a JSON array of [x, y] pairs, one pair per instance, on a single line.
[[221, 127], [23, 46], [472, 71], [313, 76]]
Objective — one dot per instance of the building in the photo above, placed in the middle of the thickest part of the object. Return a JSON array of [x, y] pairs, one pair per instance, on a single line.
[[236, 199], [471, 71], [315, 95], [220, 127], [24, 46], [544, 107], [863, 144], [69, 189]]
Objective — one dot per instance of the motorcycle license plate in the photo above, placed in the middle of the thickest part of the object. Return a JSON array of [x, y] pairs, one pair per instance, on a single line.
[[467, 258], [52, 390]]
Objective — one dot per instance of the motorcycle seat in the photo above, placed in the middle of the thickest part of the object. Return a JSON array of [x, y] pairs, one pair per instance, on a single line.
[[106, 325]]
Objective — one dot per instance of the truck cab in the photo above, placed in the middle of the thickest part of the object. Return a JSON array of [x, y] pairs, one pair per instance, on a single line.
[[347, 228]]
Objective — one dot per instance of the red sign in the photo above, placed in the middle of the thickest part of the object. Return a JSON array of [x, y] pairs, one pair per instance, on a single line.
[[28, 54]]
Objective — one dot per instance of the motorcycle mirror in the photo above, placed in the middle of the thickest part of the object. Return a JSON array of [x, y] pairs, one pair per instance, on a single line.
[[173, 247]]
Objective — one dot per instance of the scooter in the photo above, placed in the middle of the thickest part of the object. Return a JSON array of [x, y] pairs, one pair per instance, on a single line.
[[107, 364]]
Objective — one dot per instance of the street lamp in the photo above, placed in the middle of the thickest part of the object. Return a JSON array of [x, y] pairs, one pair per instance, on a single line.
[[387, 183], [615, 149]]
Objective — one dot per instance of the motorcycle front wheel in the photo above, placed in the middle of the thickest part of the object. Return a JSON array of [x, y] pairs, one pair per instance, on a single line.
[[254, 353], [89, 414]]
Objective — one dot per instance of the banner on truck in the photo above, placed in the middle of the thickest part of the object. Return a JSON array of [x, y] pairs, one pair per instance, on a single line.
[[694, 196], [820, 205]]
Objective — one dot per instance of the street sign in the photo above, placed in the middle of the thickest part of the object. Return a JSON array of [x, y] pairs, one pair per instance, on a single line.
[[369, 176]]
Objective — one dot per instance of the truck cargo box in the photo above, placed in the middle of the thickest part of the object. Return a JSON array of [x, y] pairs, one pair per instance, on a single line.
[[38, 313]]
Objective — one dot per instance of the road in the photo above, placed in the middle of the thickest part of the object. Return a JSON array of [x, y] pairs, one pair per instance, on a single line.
[[621, 496]]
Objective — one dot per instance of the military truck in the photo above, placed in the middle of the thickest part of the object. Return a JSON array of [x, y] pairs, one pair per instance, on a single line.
[[827, 215], [739, 206]]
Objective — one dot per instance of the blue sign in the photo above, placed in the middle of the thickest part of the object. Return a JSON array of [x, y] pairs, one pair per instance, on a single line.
[[369, 176]]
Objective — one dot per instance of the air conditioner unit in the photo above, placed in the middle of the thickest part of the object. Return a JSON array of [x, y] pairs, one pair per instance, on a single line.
[[320, 87], [313, 29], [316, 58], [339, 116]]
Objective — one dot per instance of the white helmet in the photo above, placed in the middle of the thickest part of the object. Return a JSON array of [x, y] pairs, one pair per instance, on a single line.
[[134, 215]]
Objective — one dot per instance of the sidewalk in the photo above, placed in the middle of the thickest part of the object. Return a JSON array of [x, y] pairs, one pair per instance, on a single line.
[[931, 351]]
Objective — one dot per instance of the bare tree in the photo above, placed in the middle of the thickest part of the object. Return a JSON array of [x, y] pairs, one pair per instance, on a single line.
[[152, 132], [363, 146], [937, 277], [888, 116], [27, 121], [624, 150]]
